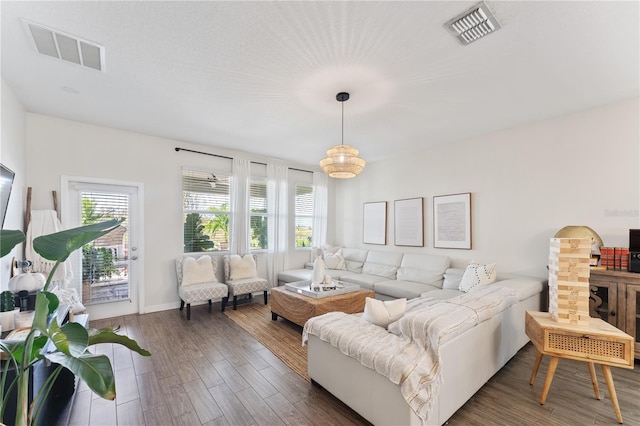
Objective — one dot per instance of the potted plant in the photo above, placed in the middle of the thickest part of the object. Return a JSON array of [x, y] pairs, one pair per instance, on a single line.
[[71, 340], [7, 310]]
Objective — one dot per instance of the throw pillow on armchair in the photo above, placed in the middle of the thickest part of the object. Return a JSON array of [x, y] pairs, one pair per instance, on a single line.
[[242, 267]]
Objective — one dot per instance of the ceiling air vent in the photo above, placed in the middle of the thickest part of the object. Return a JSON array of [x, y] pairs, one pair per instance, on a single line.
[[57, 44], [474, 24]]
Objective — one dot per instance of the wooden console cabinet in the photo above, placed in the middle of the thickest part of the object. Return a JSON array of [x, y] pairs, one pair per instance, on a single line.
[[615, 297]]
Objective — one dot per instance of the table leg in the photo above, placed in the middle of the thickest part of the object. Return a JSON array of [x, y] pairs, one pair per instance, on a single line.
[[553, 363], [606, 370], [594, 379], [536, 365]]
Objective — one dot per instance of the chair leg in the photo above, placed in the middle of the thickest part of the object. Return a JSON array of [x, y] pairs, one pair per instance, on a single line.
[[265, 297], [188, 311], [209, 305], [235, 302], [223, 303], [181, 304]]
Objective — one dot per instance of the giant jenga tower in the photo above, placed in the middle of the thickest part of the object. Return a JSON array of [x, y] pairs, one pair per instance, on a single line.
[[569, 280]]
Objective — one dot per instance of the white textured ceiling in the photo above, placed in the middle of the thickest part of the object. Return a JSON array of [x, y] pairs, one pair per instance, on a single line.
[[262, 76]]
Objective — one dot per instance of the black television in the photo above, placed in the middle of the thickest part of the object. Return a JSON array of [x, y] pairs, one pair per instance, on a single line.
[[6, 181]]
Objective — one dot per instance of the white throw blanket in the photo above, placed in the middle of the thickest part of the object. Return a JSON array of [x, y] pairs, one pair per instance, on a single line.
[[45, 222], [408, 353]]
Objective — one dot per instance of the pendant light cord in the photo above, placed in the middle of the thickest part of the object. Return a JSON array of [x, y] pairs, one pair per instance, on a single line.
[[342, 140]]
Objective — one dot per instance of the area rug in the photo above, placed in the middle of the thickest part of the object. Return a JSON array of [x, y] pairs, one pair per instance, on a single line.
[[281, 337]]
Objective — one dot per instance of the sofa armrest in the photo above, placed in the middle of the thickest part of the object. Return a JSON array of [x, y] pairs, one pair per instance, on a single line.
[[525, 286]]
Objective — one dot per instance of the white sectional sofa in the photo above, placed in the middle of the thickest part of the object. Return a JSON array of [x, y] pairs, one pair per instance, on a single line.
[[467, 361], [391, 275]]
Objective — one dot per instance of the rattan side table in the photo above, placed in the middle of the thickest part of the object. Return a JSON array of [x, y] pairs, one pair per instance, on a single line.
[[596, 343]]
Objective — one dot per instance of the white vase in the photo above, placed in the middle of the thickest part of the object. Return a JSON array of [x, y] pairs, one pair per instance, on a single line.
[[319, 272]]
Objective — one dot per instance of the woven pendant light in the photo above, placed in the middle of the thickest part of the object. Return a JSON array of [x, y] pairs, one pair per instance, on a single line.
[[342, 160]]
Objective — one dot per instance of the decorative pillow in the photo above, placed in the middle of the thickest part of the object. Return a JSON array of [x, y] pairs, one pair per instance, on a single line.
[[477, 275], [452, 279], [329, 249], [383, 313], [335, 260], [242, 267], [197, 271]]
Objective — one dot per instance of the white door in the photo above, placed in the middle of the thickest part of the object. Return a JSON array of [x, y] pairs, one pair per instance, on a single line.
[[106, 271]]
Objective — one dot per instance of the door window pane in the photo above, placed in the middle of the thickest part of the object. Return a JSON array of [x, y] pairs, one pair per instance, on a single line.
[[105, 261]]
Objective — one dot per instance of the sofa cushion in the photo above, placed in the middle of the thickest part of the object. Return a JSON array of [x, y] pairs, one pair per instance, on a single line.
[[353, 266], [385, 257], [379, 269], [365, 281], [383, 313], [354, 259], [403, 289], [418, 275], [477, 275], [429, 262], [524, 286], [382, 263]]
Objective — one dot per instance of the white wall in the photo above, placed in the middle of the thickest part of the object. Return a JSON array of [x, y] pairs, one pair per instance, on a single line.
[[57, 147], [526, 183], [13, 156]]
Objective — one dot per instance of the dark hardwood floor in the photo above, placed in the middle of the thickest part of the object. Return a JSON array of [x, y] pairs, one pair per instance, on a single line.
[[209, 371]]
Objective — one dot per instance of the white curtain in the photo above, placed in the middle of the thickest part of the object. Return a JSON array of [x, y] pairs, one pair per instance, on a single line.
[[320, 201], [277, 221], [240, 207]]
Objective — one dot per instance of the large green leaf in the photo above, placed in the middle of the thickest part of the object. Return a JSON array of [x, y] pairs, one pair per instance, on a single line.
[[16, 348], [46, 303], [8, 240], [71, 339], [60, 245], [108, 336], [95, 370]]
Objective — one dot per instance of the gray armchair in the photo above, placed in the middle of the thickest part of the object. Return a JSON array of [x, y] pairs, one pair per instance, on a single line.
[[240, 286], [190, 290]]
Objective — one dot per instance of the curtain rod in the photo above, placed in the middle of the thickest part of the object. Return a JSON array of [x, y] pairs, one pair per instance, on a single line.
[[231, 158], [203, 153]]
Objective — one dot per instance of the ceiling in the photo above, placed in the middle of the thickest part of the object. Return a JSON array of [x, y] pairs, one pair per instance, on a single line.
[[262, 76]]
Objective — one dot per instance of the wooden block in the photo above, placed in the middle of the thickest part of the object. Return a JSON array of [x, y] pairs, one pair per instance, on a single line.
[[563, 244], [569, 274]]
